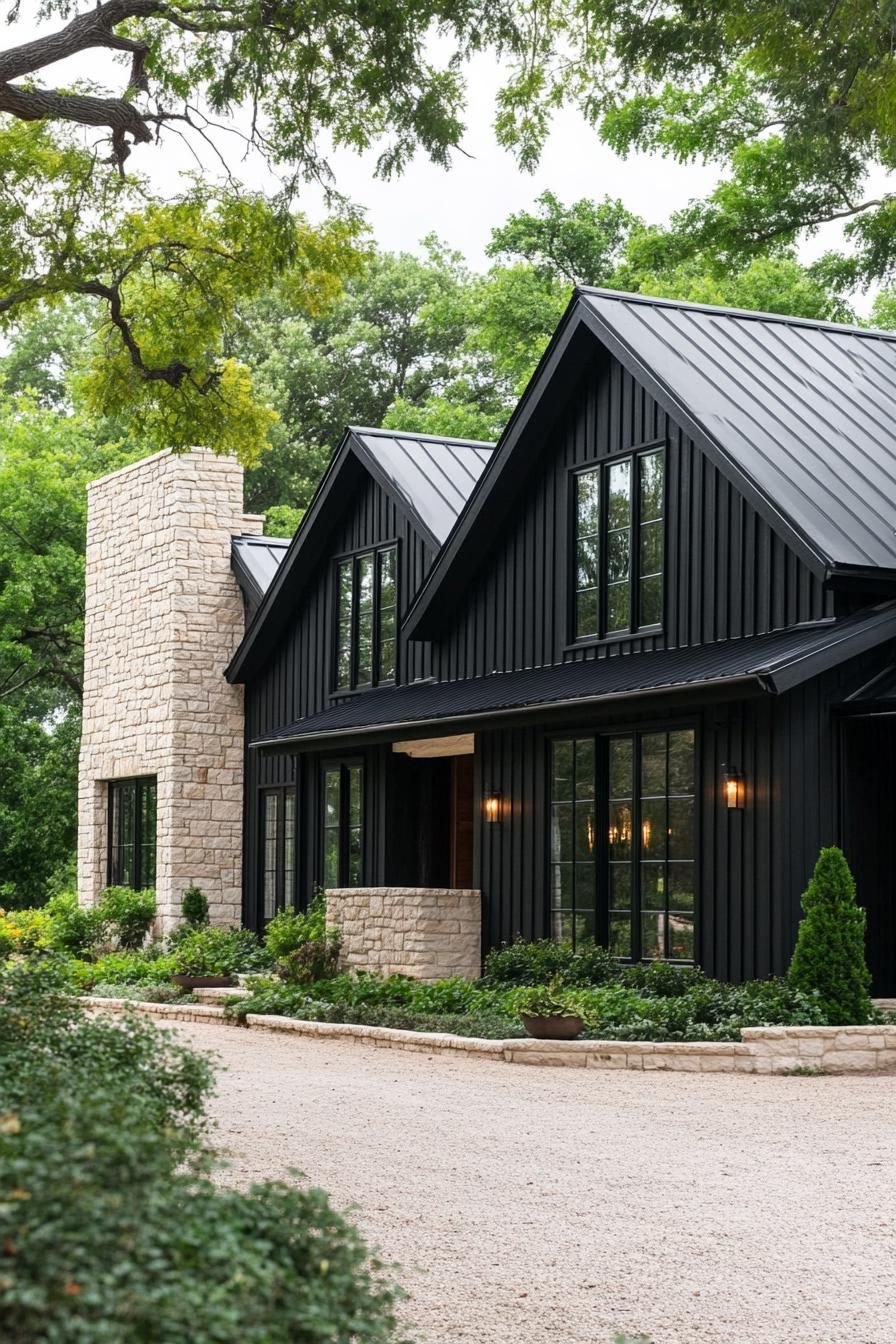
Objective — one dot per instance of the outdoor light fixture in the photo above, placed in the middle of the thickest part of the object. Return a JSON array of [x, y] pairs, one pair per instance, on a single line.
[[732, 786], [491, 804]]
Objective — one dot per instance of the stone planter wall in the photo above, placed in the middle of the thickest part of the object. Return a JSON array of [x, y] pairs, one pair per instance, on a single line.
[[428, 933]]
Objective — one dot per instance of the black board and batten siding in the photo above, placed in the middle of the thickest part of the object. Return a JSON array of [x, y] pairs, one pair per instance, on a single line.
[[727, 574], [297, 681]]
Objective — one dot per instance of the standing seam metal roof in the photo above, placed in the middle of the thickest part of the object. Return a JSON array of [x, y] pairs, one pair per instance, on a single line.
[[256, 561], [434, 476], [807, 410]]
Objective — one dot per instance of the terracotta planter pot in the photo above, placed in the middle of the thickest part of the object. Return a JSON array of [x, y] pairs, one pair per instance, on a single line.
[[552, 1028], [203, 981]]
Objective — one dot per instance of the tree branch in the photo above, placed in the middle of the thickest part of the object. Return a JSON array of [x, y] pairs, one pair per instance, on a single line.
[[93, 29]]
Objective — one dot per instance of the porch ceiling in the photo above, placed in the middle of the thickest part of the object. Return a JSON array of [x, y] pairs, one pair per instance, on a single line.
[[770, 664]]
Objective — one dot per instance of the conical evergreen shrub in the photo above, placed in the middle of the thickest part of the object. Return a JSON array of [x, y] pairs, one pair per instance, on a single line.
[[830, 949]]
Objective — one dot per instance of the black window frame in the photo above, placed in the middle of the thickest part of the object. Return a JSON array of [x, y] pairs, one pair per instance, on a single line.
[[602, 739], [344, 766], [602, 467], [354, 558], [285, 877], [141, 785]]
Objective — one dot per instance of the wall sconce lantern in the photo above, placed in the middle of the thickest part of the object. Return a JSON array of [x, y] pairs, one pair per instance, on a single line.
[[732, 786], [492, 805]]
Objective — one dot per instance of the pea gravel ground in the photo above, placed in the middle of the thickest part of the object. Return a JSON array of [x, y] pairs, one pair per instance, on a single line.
[[528, 1205]]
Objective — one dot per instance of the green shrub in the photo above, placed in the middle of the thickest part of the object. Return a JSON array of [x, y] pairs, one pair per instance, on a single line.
[[216, 951], [194, 907], [314, 960], [661, 979], [521, 963], [151, 967], [127, 1236], [24, 931], [127, 914], [141, 992], [73, 929], [829, 957], [552, 1000], [290, 929]]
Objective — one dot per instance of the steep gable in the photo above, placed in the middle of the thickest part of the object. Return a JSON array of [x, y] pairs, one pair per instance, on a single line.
[[796, 416]]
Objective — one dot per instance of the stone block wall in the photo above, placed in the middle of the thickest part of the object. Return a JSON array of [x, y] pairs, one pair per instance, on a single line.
[[163, 617], [425, 932]]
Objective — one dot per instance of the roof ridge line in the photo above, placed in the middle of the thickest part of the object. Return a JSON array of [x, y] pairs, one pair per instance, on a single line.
[[413, 434], [720, 309]]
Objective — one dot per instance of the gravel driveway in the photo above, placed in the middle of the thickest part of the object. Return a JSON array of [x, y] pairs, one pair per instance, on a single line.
[[530, 1205]]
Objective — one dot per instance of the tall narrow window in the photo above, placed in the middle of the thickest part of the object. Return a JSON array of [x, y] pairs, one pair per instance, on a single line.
[[618, 560], [366, 619], [640, 886], [343, 825], [132, 833], [278, 850]]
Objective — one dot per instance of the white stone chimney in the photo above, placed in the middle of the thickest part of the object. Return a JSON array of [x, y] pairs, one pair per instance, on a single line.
[[163, 617]]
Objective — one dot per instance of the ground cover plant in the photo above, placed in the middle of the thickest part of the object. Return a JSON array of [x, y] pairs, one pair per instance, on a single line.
[[111, 1225]]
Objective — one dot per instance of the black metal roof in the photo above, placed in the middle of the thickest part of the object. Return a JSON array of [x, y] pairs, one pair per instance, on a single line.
[[255, 561], [772, 663], [434, 476], [428, 477], [799, 415]]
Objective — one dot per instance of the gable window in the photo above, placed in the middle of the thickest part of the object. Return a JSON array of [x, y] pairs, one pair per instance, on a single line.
[[366, 618], [622, 843], [132, 833], [618, 562], [343, 824], [278, 850]]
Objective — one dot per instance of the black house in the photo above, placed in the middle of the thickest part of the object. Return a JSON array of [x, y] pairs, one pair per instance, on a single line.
[[625, 673]]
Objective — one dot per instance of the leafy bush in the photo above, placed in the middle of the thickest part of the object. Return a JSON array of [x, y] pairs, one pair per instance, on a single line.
[[552, 1000], [661, 979], [521, 963], [24, 931], [216, 951], [829, 957], [127, 1236], [151, 967], [140, 993], [194, 907], [314, 960], [127, 914], [74, 929], [291, 929]]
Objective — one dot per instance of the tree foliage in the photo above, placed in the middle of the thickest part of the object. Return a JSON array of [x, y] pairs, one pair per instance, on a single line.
[[830, 951]]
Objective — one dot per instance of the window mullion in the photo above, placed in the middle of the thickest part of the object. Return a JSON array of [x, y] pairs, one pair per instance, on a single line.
[[636, 847]]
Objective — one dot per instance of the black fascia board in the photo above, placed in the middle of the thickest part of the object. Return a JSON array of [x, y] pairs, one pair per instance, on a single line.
[[843, 644], [244, 576]]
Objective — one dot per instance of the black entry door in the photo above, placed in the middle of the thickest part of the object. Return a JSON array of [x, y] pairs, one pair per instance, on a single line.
[[869, 837], [420, 810]]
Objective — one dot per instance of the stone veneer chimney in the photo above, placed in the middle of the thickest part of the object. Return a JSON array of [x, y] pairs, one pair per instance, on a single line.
[[163, 617]]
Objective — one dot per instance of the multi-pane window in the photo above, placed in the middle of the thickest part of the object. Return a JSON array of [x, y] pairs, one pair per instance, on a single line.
[[366, 618], [630, 880], [619, 546], [278, 850], [343, 824], [132, 833]]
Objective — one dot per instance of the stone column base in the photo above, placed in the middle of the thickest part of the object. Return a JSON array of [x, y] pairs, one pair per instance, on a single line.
[[428, 933]]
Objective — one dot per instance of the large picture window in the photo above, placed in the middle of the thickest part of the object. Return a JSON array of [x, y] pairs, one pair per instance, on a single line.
[[622, 843], [366, 619], [343, 824], [618, 561], [132, 833], [278, 850]]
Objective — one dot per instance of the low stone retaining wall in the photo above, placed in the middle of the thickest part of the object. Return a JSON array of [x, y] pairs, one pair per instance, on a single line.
[[760, 1050], [428, 933]]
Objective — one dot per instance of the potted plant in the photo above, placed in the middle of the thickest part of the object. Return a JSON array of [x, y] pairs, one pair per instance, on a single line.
[[206, 958], [551, 1013]]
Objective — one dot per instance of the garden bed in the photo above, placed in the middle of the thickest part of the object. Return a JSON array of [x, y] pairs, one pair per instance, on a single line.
[[787, 1050]]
